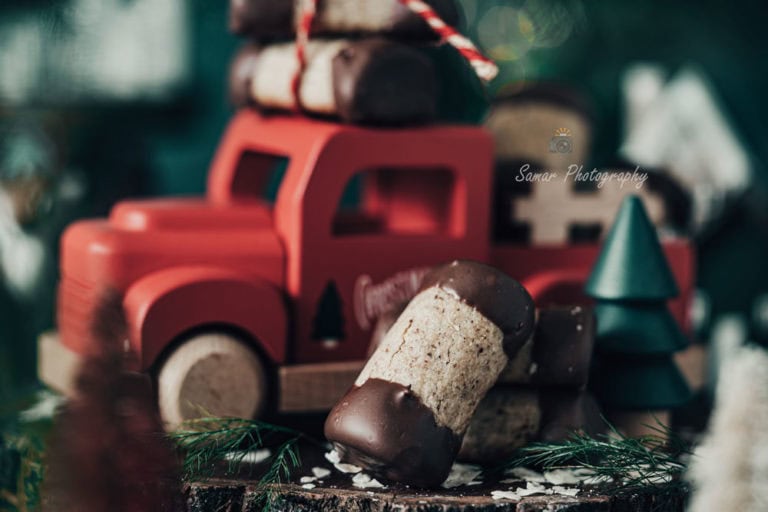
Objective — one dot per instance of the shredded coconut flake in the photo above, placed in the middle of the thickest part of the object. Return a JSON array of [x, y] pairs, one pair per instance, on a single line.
[[526, 474], [333, 457], [504, 495], [532, 488], [462, 474], [363, 481], [320, 472], [44, 408], [568, 476], [565, 491], [347, 468]]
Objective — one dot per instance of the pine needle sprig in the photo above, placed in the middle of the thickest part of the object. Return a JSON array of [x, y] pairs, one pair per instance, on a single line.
[[31, 478], [207, 442], [285, 461], [651, 463], [28, 473]]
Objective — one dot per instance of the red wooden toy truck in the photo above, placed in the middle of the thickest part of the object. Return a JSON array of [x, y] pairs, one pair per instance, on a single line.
[[233, 302]]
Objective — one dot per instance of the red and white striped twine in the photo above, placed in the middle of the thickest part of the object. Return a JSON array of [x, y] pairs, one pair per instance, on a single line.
[[308, 10], [484, 67]]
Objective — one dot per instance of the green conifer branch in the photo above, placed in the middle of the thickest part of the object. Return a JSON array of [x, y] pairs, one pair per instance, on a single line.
[[653, 463], [206, 442]]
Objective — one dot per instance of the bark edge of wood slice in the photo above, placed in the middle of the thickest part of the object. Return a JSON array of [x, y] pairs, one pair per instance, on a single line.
[[232, 495]]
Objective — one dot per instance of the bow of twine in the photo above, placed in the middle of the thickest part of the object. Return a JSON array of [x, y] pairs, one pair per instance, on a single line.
[[484, 67]]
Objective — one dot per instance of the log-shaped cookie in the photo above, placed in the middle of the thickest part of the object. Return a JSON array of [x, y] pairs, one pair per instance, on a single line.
[[525, 123], [370, 81], [406, 414], [264, 19], [511, 416], [505, 420], [560, 352]]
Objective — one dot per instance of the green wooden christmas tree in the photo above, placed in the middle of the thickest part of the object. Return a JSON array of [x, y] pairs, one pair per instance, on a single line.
[[329, 319], [636, 334]]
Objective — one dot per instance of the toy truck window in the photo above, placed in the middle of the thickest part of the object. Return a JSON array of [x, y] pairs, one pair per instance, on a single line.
[[258, 175], [398, 202]]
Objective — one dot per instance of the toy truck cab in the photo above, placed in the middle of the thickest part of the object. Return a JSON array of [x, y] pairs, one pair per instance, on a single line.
[[219, 292]]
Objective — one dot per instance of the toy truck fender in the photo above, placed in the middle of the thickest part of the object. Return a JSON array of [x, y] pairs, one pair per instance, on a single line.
[[166, 304]]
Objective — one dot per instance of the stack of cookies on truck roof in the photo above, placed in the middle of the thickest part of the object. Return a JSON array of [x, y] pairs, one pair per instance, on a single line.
[[363, 61]]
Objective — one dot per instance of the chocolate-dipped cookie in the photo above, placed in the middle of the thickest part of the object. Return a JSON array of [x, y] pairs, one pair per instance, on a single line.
[[560, 352], [265, 19], [505, 420], [405, 417], [369, 81], [511, 416]]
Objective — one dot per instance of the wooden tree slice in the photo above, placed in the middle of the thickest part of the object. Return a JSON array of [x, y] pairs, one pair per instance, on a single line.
[[240, 496], [335, 492]]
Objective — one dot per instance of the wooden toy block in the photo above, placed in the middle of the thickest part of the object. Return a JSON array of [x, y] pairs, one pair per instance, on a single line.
[[545, 193], [534, 205], [555, 208]]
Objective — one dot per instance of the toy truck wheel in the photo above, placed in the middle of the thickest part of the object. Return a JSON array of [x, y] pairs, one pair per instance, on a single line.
[[211, 374]]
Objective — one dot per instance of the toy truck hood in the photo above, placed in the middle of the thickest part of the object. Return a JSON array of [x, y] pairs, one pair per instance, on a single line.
[[189, 214], [141, 237]]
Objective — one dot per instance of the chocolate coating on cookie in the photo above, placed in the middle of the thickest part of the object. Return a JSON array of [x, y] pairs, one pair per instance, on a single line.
[[381, 82], [270, 19], [498, 297], [548, 93], [563, 345], [385, 428], [264, 18]]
